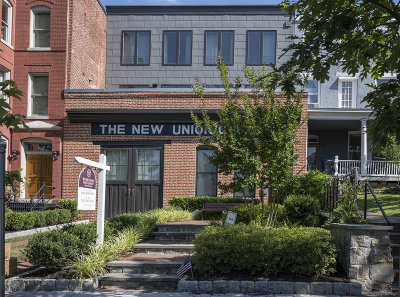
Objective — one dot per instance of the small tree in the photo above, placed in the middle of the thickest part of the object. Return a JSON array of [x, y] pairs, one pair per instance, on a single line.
[[255, 136]]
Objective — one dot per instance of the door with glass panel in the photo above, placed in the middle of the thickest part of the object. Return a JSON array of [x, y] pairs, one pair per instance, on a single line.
[[134, 180]]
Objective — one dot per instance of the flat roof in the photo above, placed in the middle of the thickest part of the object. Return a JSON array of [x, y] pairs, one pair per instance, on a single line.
[[194, 9]]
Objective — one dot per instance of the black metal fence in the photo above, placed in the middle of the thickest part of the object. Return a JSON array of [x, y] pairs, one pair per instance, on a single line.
[[30, 206], [332, 194]]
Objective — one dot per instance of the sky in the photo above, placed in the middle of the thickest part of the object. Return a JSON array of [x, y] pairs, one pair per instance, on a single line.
[[189, 2]]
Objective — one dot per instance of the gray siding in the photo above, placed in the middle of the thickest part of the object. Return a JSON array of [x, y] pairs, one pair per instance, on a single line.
[[329, 93], [156, 73]]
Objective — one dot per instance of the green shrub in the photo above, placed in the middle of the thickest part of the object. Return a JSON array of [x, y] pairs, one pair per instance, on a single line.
[[64, 216], [29, 219], [243, 213], [14, 221], [71, 205], [393, 190], [51, 217], [303, 210], [193, 203], [263, 251], [7, 209], [40, 219]]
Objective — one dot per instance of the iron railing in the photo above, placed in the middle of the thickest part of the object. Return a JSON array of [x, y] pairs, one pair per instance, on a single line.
[[40, 201]]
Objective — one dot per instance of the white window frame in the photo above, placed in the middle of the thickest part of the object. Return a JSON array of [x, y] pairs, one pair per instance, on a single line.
[[7, 76], [318, 93], [386, 76], [353, 80], [9, 22], [35, 10], [30, 101]]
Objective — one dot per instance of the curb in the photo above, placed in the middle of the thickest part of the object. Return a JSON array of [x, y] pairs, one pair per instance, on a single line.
[[17, 284], [41, 229], [270, 287]]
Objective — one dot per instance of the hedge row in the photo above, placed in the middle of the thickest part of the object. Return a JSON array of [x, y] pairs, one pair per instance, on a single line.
[[257, 250], [193, 203], [68, 211]]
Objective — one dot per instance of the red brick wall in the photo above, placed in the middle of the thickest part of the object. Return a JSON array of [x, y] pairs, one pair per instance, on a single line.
[[179, 155], [87, 45]]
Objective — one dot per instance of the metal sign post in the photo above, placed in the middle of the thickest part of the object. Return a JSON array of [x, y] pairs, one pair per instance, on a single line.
[[2, 218], [102, 166]]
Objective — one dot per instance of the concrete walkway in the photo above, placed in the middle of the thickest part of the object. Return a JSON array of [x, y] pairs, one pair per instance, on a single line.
[[141, 294]]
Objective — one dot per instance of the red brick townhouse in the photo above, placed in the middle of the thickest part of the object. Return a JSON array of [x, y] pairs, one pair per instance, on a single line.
[[47, 46], [142, 120]]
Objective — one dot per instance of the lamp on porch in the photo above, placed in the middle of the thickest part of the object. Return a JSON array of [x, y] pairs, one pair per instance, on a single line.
[[55, 155]]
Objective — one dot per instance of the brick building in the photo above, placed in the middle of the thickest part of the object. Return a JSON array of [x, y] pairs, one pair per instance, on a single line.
[[142, 120], [47, 46]]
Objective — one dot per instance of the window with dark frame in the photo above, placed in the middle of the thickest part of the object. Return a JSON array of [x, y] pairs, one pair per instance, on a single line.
[[261, 47], [206, 174], [219, 42], [136, 47], [177, 47], [41, 26]]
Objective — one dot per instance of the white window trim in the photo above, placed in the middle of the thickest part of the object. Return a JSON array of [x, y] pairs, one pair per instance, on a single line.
[[353, 80], [7, 76], [10, 19], [318, 93], [32, 46], [386, 75], [29, 114]]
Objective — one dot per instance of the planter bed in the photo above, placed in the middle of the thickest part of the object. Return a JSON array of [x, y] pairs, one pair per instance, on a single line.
[[41, 280], [270, 287]]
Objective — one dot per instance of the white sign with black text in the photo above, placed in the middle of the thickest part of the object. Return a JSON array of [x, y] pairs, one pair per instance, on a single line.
[[230, 218]]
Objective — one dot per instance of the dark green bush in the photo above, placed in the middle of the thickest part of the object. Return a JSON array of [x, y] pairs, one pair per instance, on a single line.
[[243, 213], [258, 250], [7, 209], [51, 217], [393, 190], [122, 221], [29, 219], [40, 219], [64, 216], [303, 210], [193, 203], [14, 221], [71, 205]]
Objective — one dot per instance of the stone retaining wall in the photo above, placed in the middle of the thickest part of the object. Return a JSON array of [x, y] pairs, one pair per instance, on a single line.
[[365, 254], [270, 287]]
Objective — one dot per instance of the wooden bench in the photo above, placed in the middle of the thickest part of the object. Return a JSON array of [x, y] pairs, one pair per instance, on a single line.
[[218, 207]]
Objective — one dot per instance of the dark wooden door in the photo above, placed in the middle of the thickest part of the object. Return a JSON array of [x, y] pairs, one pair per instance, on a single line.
[[134, 181]]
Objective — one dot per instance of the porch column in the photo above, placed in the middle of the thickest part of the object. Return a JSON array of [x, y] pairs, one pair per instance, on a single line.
[[364, 146]]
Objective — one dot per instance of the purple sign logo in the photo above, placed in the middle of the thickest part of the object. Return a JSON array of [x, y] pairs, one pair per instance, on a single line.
[[87, 179]]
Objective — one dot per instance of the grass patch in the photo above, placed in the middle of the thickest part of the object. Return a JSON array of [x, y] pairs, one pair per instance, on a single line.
[[17, 239], [19, 252], [390, 203]]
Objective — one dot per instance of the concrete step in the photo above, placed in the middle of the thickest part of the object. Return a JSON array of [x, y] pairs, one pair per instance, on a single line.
[[395, 237], [139, 281], [143, 267], [184, 236], [395, 249], [164, 248], [190, 226]]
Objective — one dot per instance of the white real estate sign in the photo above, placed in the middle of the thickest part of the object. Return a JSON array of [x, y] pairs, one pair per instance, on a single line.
[[87, 189]]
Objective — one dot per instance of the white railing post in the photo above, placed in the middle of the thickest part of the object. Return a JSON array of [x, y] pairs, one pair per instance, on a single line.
[[336, 165], [364, 146]]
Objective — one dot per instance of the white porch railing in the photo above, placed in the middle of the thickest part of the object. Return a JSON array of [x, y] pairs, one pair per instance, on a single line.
[[372, 168]]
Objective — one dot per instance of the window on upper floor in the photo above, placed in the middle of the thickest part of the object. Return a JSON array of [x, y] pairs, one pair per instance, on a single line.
[[177, 48], [38, 91], [6, 21], [40, 27], [347, 91], [312, 89], [382, 81], [261, 47], [136, 48], [4, 75], [206, 173], [218, 42]]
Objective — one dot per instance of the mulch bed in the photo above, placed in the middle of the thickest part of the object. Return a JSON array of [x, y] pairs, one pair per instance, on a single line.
[[65, 273]]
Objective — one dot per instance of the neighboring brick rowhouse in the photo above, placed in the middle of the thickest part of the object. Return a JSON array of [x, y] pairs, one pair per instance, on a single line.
[[76, 52], [179, 155], [86, 45]]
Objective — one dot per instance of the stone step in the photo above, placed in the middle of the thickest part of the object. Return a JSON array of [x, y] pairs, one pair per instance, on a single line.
[[139, 281], [164, 248], [143, 267], [395, 237], [396, 261], [395, 249], [190, 226], [184, 236]]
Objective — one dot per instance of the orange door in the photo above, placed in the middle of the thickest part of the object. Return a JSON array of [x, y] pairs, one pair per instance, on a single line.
[[39, 169]]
